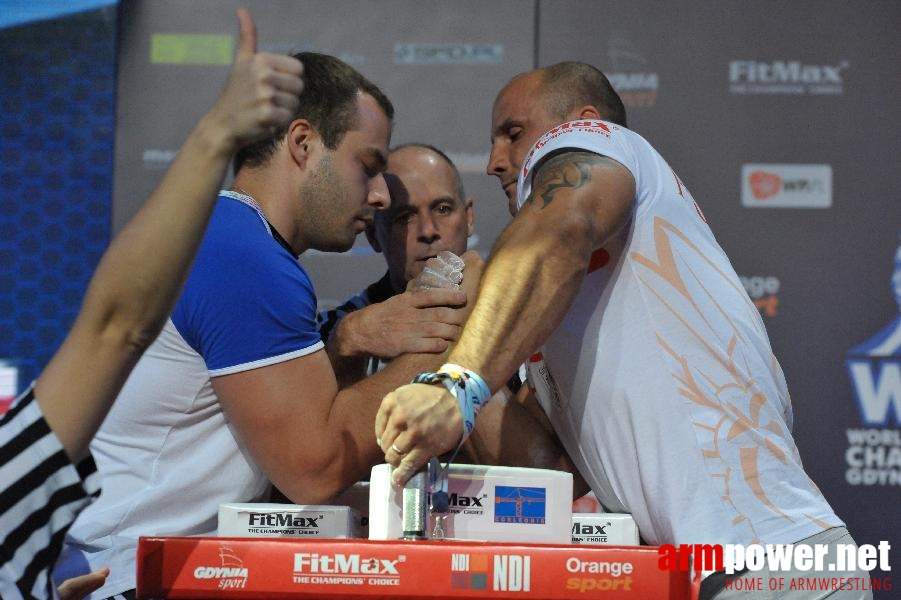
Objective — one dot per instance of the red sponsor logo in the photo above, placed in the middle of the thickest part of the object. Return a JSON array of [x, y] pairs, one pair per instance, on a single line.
[[547, 137], [765, 185]]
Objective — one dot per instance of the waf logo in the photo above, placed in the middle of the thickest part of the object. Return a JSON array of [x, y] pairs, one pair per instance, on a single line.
[[873, 456], [520, 504], [875, 367]]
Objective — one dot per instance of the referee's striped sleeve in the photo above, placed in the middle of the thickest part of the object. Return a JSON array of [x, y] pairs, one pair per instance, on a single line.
[[41, 493], [329, 320]]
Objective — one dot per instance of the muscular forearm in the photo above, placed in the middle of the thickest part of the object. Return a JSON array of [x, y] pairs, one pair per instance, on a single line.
[[349, 365], [529, 283], [351, 448], [577, 203]]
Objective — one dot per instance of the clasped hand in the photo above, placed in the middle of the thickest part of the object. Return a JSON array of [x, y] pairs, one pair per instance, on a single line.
[[416, 422]]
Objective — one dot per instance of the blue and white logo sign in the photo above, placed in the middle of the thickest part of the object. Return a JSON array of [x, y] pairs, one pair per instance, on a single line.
[[874, 368], [520, 504]]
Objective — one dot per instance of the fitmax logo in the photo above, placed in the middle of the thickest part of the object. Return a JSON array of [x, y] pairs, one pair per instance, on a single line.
[[283, 520], [586, 529], [344, 564], [785, 77], [466, 501], [778, 71]]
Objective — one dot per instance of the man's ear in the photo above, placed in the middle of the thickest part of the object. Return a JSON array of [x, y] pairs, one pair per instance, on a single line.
[[470, 217], [301, 138], [588, 111]]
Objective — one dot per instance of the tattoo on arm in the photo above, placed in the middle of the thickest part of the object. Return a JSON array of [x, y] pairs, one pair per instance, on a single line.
[[571, 169]]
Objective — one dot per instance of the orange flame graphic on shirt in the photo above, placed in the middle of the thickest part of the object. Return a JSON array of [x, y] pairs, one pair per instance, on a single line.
[[722, 383]]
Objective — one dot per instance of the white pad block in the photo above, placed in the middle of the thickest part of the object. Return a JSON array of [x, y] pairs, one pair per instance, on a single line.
[[496, 504], [600, 529], [357, 498], [287, 520]]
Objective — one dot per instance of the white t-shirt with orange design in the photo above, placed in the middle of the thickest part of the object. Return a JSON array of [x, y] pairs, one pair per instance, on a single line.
[[661, 382]]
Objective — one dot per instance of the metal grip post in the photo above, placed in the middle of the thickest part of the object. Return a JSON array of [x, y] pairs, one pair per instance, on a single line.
[[415, 502]]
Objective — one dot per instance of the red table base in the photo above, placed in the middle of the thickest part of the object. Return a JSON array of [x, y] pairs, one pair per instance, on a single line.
[[271, 568]]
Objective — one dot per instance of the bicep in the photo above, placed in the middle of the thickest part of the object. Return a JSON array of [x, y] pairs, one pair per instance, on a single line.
[[275, 411]]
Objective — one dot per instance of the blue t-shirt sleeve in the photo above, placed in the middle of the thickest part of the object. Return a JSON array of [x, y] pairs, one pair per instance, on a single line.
[[247, 302]]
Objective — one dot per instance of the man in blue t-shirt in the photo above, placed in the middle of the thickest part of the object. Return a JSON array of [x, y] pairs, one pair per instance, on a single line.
[[237, 391]]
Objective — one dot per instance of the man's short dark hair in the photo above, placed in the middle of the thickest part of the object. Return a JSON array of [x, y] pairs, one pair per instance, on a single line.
[[328, 102], [567, 85]]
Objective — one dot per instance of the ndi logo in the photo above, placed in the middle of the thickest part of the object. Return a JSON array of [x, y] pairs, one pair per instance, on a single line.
[[512, 573], [469, 571], [874, 368], [520, 504]]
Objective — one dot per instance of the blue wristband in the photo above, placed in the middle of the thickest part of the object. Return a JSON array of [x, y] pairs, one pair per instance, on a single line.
[[468, 387]]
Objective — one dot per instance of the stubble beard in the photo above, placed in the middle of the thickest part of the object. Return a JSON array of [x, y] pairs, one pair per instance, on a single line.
[[324, 195]]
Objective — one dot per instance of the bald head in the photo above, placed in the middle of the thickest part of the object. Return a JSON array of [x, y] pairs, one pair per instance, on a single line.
[[426, 153], [429, 211], [568, 85], [535, 102]]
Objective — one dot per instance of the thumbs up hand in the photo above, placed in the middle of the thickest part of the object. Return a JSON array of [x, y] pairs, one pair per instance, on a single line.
[[262, 91]]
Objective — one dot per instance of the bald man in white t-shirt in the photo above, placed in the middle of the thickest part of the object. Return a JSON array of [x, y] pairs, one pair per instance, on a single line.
[[653, 365]]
